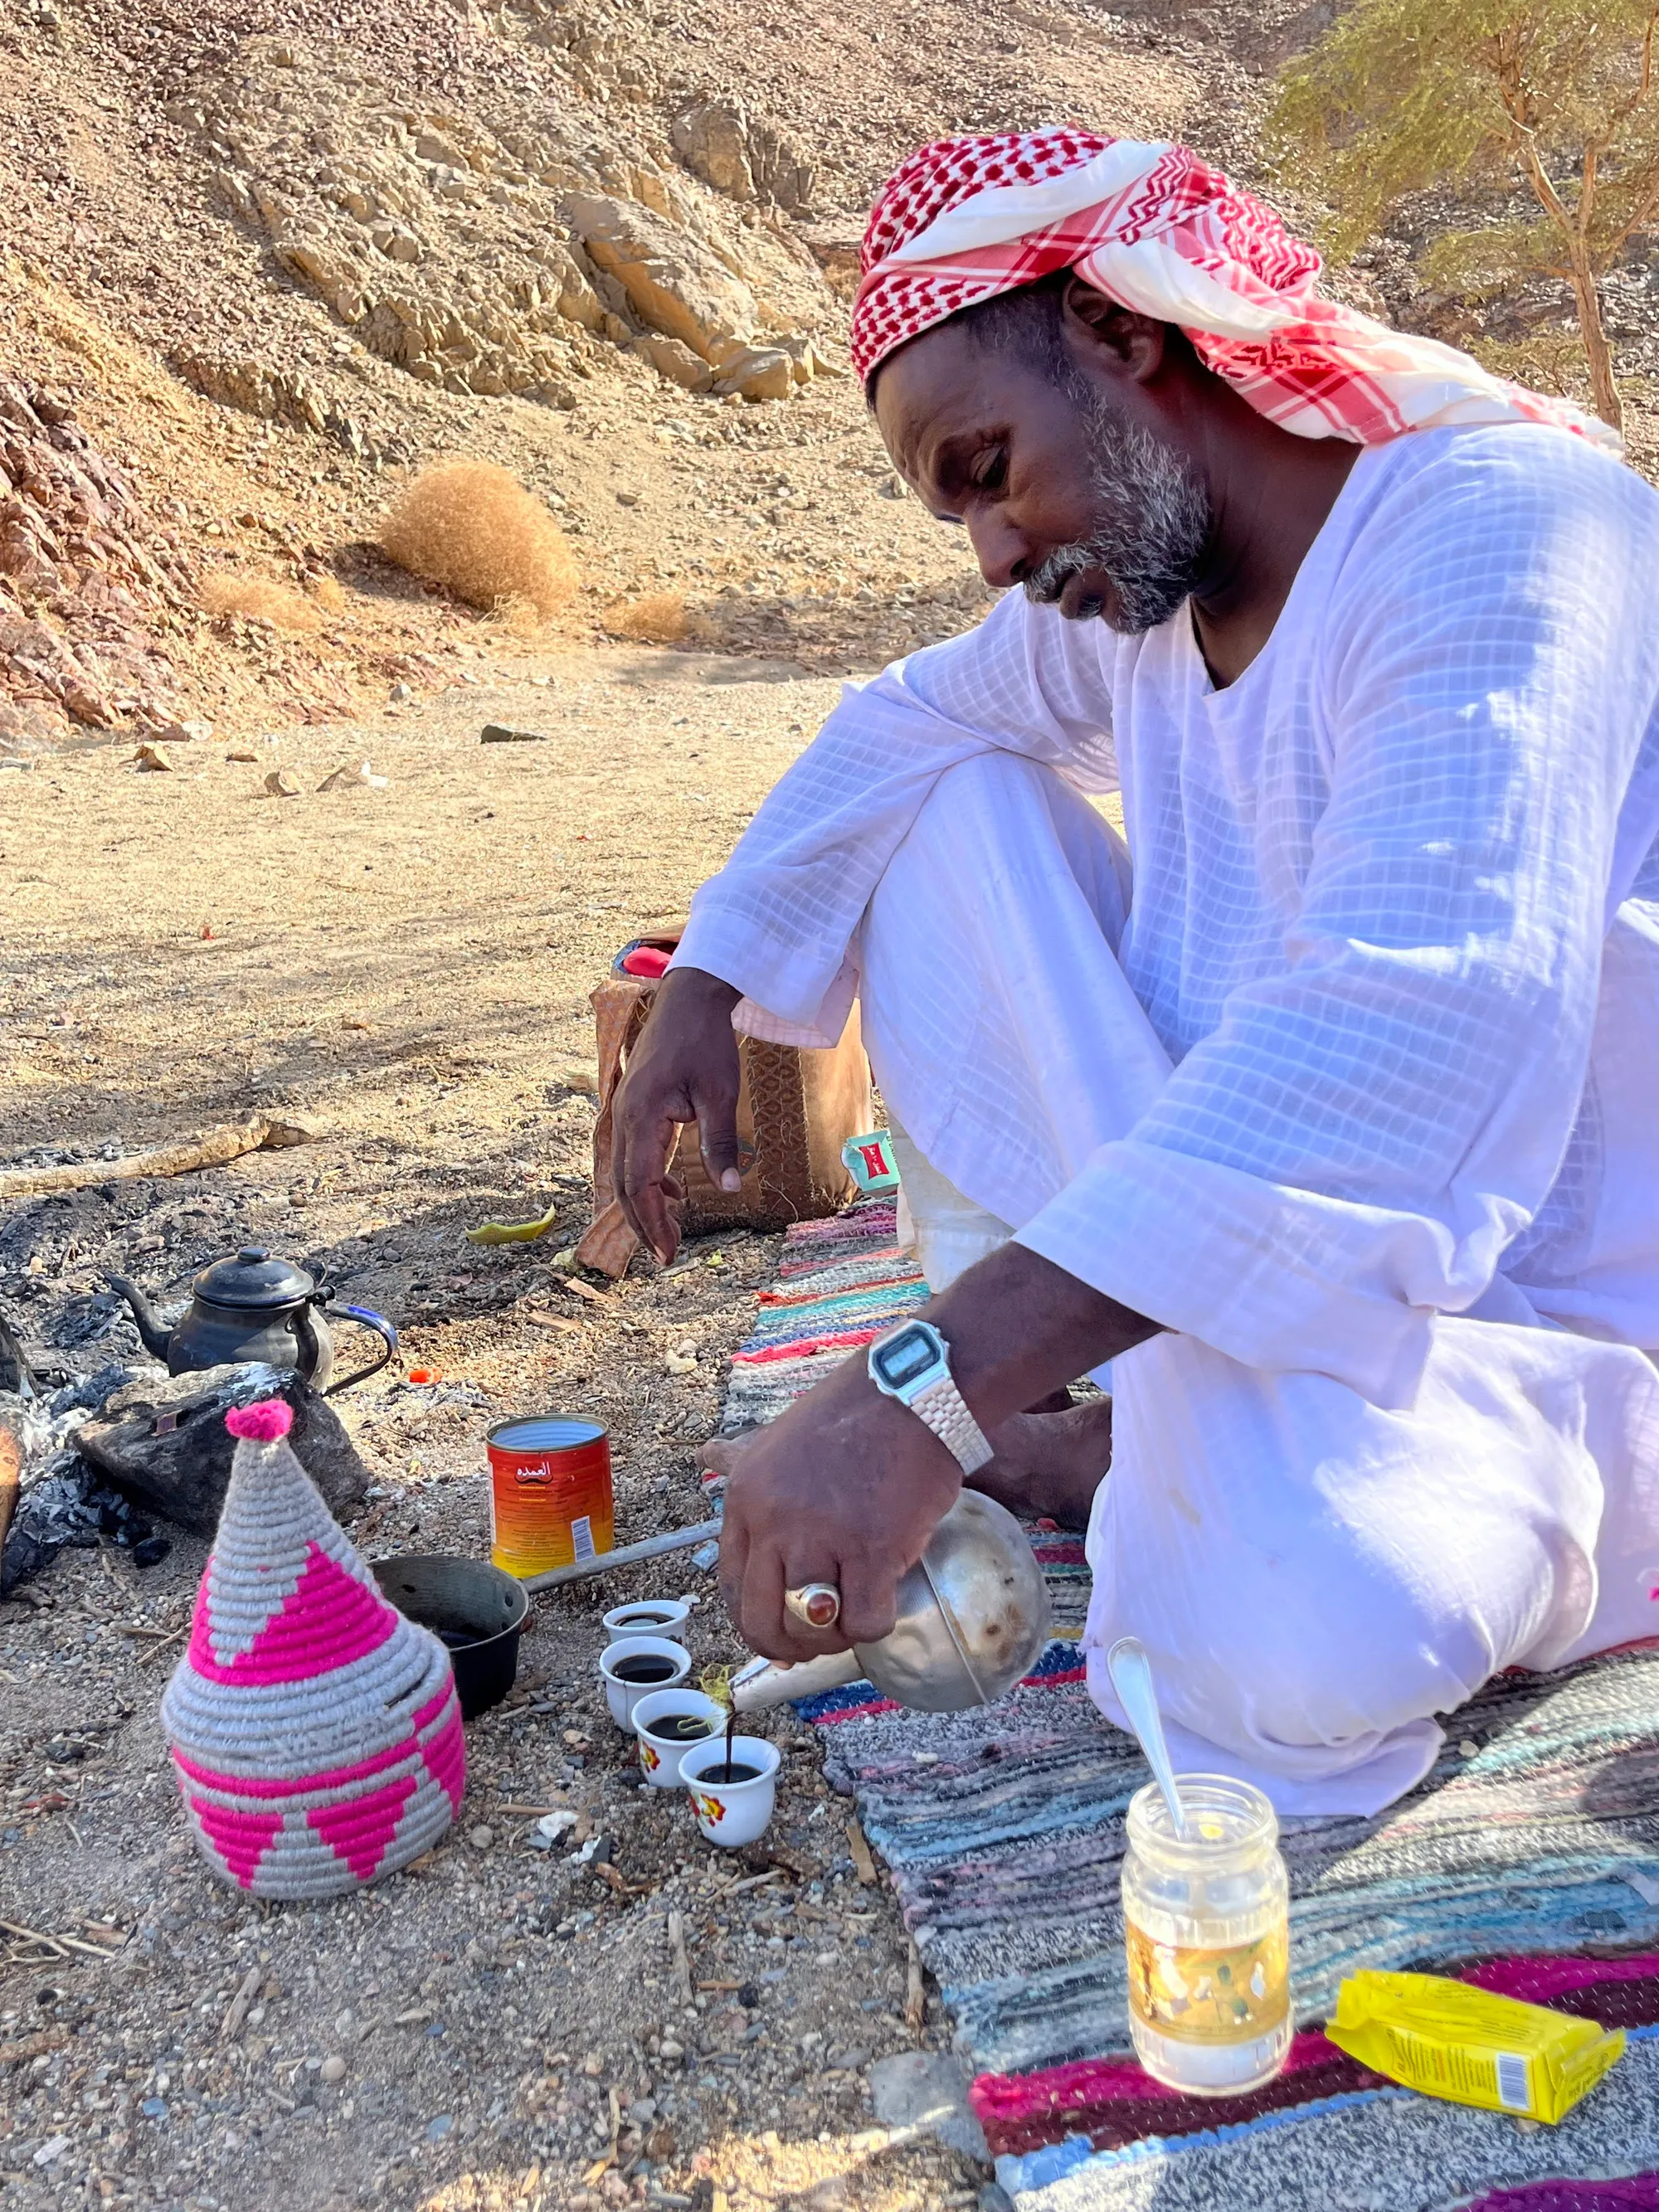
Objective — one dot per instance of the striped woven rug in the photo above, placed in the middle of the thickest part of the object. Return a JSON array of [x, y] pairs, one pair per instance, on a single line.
[[1536, 1837]]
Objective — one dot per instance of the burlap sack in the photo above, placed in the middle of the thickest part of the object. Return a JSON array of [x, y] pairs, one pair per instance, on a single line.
[[795, 1111]]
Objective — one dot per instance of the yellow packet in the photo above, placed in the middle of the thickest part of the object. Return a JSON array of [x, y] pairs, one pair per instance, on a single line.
[[1471, 2047]]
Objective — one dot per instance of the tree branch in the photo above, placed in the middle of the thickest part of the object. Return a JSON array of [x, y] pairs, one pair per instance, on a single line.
[[1643, 211], [1545, 193], [1625, 108], [1648, 204]]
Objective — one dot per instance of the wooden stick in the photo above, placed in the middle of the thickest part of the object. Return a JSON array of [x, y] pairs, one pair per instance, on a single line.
[[681, 1961], [237, 2011], [62, 1945], [74, 1942], [749, 1881], [863, 1865], [145, 1657], [112, 1938], [32, 1935], [915, 1996], [214, 1148], [653, 1547]]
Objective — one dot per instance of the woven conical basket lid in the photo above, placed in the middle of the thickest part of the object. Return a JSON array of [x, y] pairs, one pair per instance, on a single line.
[[315, 1729]]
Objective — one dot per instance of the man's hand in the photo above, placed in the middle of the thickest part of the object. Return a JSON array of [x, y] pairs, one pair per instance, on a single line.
[[847, 1487], [684, 1068]]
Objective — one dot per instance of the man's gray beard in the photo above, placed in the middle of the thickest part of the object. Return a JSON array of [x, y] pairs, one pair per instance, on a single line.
[[1152, 520]]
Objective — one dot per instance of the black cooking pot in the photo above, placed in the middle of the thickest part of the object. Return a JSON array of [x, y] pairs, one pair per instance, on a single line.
[[474, 1608]]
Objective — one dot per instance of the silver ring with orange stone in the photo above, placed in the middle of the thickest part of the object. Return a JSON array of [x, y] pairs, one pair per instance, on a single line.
[[815, 1605]]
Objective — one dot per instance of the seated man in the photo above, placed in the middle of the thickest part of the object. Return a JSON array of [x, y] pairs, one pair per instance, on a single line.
[[1328, 1112]]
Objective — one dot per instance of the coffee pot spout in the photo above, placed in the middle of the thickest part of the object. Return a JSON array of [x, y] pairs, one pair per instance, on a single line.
[[156, 1340], [765, 1682]]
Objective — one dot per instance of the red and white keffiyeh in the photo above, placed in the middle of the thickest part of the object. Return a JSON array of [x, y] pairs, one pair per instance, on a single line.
[[1153, 227]]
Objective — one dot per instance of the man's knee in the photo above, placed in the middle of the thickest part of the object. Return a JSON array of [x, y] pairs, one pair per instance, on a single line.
[[1330, 1658], [968, 809], [998, 839]]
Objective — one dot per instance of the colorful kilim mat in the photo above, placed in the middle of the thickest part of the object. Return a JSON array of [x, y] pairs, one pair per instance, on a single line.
[[1003, 1832], [1641, 2189], [840, 1283]]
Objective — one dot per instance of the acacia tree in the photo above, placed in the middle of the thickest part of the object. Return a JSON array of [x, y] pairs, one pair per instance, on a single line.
[[1558, 96]]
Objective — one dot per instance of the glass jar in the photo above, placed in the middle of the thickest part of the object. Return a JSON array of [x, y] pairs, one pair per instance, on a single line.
[[1205, 1925]]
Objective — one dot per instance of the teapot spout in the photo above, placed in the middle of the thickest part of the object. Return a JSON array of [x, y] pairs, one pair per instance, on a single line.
[[764, 1682], [156, 1340]]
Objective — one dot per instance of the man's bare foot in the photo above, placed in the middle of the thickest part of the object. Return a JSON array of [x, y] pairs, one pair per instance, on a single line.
[[1049, 1464]]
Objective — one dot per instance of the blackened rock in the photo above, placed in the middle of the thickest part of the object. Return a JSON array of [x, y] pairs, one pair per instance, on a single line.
[[164, 1441]]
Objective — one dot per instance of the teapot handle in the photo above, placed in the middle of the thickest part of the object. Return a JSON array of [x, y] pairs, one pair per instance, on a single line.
[[382, 1328], [310, 1349]]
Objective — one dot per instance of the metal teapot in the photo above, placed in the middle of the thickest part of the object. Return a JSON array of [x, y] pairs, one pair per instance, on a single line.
[[253, 1307], [973, 1618]]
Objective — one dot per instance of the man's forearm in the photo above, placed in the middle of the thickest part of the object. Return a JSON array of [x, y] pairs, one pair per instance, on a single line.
[[1019, 1328]]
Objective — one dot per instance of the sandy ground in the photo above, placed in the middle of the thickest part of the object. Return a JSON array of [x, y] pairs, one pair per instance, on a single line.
[[410, 967]]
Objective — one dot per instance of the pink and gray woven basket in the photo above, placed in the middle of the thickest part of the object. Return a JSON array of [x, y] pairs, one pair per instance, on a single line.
[[315, 1729]]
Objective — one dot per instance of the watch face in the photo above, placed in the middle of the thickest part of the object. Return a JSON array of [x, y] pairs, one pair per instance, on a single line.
[[907, 1356]]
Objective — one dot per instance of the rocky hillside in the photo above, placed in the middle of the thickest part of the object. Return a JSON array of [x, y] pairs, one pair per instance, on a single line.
[[89, 583], [268, 255]]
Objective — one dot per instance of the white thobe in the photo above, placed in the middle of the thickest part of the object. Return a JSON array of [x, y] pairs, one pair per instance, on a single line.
[[1353, 1085]]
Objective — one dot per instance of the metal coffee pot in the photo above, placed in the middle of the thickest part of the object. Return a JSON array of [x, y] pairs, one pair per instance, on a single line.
[[973, 1618], [254, 1306]]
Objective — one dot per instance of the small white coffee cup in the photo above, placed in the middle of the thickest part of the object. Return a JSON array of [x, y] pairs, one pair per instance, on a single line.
[[621, 1695], [660, 1755], [648, 1616], [731, 1812]]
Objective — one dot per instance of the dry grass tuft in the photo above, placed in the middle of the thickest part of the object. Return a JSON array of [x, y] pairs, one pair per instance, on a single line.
[[258, 599], [660, 619], [326, 592], [516, 615], [473, 528]]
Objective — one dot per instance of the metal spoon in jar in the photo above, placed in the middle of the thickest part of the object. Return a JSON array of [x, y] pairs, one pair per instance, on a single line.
[[1131, 1671]]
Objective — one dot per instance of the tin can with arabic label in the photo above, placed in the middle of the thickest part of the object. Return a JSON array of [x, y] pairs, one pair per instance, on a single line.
[[550, 1499]]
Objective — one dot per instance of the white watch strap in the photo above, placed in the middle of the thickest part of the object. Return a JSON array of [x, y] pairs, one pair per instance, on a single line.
[[945, 1409]]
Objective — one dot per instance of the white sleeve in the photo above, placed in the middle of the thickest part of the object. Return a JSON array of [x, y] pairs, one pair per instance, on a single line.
[[1351, 1147], [777, 920]]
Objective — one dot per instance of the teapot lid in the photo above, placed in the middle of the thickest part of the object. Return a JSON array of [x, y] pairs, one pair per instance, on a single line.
[[253, 1279]]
